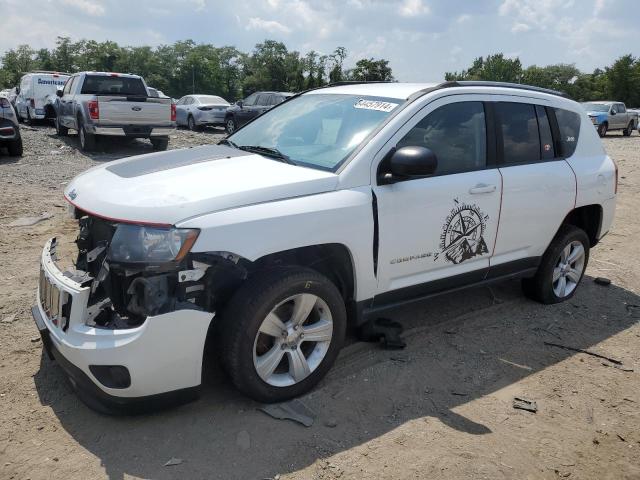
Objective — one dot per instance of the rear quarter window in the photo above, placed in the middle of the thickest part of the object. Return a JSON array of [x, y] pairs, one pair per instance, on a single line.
[[569, 127]]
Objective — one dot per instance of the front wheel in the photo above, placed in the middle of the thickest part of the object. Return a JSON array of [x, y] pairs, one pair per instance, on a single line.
[[561, 268], [61, 130], [230, 125], [602, 129], [627, 131], [87, 140], [281, 333], [191, 123]]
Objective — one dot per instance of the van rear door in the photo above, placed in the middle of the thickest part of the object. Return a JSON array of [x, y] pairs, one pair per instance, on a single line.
[[44, 85]]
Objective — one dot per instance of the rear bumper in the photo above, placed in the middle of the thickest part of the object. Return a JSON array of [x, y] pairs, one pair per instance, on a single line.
[[163, 356], [132, 131]]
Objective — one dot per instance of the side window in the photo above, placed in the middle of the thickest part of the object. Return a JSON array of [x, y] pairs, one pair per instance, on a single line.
[[67, 86], [569, 126], [250, 100], [621, 108], [276, 99], [181, 101], [518, 124], [188, 101], [546, 139], [614, 108], [263, 100], [456, 133]]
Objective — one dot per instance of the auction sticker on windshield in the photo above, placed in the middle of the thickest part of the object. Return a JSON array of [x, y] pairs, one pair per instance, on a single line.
[[375, 105]]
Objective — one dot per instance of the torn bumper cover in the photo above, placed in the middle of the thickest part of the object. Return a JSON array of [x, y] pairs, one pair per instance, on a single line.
[[118, 370]]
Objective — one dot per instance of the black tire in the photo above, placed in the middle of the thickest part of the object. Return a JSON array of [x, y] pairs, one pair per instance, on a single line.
[[230, 125], [540, 287], [191, 124], [28, 120], [160, 144], [602, 129], [15, 147], [245, 313], [87, 140], [629, 130], [61, 130]]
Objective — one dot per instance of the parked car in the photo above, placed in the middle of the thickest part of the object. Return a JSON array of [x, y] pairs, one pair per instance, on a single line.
[[9, 128], [154, 92], [113, 104], [333, 207], [195, 111], [252, 106], [636, 111], [607, 116], [32, 94], [12, 95]]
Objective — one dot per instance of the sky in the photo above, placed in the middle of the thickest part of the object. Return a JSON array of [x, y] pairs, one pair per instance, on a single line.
[[422, 39]]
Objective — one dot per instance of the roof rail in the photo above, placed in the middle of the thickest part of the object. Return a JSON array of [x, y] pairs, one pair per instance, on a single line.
[[482, 83]]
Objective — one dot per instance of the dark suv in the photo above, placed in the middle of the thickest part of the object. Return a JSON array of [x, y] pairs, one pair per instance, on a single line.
[[252, 106]]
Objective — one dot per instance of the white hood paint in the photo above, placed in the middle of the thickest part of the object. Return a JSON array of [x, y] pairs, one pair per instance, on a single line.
[[185, 190]]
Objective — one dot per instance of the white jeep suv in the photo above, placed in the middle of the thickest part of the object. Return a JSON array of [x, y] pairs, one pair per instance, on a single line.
[[335, 205]]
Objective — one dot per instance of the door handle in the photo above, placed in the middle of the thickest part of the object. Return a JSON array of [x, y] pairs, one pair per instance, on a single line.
[[482, 188]]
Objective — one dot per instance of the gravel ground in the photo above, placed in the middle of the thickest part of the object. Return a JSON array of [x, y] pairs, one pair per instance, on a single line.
[[440, 409]]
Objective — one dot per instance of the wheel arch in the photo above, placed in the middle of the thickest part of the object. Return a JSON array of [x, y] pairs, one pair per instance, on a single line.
[[587, 218]]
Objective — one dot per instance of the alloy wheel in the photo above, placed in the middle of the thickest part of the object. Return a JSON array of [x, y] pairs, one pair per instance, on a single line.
[[568, 269], [292, 340]]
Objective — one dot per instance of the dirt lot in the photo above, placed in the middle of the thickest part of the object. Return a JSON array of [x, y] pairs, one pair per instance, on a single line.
[[441, 408]]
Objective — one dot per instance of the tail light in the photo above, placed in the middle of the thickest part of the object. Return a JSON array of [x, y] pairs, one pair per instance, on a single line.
[[173, 112], [33, 103], [94, 110], [615, 190], [4, 103]]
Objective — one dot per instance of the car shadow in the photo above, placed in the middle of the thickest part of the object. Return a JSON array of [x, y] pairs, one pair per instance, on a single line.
[[460, 347]]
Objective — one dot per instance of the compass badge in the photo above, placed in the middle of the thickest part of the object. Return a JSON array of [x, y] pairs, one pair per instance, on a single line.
[[462, 234]]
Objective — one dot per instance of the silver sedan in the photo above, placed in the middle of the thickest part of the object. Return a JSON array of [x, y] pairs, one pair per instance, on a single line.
[[195, 111]]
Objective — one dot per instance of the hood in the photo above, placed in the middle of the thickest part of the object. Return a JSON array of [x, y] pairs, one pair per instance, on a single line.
[[167, 187], [593, 113]]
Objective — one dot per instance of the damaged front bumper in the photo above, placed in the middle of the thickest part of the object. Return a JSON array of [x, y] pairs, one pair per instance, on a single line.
[[118, 370]]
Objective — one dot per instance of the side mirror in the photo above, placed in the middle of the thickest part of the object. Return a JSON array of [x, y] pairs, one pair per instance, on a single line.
[[17, 90], [407, 162], [59, 93], [613, 112], [239, 103]]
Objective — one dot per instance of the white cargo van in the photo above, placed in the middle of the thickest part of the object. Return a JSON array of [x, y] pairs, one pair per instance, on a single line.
[[35, 87]]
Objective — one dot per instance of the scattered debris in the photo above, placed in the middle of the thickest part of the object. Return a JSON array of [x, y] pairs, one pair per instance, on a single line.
[[9, 318], [459, 394], [173, 461], [243, 440], [385, 331], [620, 437], [331, 423], [593, 354], [293, 410], [605, 282], [525, 404], [619, 367], [29, 221], [35, 339]]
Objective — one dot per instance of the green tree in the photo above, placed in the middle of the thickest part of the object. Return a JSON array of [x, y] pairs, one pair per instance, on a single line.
[[371, 70], [622, 80]]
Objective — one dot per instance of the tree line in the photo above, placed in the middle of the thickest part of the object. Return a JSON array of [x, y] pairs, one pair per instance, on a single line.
[[619, 81], [186, 67]]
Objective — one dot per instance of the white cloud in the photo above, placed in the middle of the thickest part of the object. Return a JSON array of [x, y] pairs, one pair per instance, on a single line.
[[465, 17], [93, 8], [413, 8], [520, 27], [271, 26]]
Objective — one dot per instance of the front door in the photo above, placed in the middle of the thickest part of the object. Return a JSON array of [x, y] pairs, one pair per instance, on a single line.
[[439, 232]]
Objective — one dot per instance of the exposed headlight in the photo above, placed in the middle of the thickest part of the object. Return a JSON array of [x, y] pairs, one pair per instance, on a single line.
[[594, 120], [141, 244]]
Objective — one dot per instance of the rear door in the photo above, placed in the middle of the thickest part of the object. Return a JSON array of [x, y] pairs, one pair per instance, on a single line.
[[538, 185], [181, 111], [66, 103], [438, 232]]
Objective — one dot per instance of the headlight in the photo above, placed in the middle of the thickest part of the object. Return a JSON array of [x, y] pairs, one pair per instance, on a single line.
[[593, 120], [141, 244]]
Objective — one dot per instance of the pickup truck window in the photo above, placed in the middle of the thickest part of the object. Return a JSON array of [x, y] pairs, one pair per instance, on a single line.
[[519, 128], [317, 130], [456, 133], [595, 107], [621, 108], [569, 125], [108, 85]]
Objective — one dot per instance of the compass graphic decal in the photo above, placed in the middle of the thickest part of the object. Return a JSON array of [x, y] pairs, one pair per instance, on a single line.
[[462, 234]]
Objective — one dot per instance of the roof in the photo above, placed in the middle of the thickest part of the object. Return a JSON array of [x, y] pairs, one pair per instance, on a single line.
[[602, 102], [115, 74], [381, 89]]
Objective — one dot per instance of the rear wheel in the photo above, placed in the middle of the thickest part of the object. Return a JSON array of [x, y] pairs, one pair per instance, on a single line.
[[602, 129], [230, 125], [160, 144], [87, 140], [15, 147], [192, 124], [561, 268], [281, 333], [61, 130], [627, 131]]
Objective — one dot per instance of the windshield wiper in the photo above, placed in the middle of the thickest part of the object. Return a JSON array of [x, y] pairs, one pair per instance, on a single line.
[[267, 151], [227, 142]]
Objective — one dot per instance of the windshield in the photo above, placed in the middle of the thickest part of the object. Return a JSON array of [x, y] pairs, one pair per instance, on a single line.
[[317, 130], [113, 85], [595, 107], [211, 99]]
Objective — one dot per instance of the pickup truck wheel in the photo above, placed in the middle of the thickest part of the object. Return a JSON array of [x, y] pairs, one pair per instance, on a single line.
[[191, 123], [61, 130], [602, 129], [561, 268], [160, 144], [627, 131], [15, 147], [281, 333], [87, 141], [230, 125]]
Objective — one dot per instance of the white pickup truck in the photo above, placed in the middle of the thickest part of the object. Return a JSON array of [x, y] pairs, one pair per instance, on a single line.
[[332, 207], [113, 104]]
